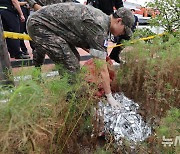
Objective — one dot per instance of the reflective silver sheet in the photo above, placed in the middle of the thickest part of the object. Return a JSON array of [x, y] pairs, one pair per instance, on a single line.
[[124, 122]]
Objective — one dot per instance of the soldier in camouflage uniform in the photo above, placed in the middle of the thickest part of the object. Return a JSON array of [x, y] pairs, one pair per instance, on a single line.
[[58, 29], [39, 5]]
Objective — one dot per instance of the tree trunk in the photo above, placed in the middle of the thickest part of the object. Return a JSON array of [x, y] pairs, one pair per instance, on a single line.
[[5, 67]]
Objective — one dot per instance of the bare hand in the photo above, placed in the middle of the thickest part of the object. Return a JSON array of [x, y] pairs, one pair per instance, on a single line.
[[22, 18]]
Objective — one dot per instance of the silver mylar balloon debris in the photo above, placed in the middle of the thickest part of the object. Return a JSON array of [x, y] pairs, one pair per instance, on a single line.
[[124, 122]]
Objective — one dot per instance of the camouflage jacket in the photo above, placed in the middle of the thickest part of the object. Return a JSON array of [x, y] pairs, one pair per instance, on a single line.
[[80, 25], [49, 2]]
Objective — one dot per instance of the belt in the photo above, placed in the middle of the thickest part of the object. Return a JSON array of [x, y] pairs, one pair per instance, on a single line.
[[3, 7]]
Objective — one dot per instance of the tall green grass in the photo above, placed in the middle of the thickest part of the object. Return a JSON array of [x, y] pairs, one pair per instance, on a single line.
[[56, 115], [151, 73], [45, 115], [151, 76]]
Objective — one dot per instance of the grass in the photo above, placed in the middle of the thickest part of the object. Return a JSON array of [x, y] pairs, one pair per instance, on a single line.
[[151, 77], [38, 115], [56, 115], [151, 73]]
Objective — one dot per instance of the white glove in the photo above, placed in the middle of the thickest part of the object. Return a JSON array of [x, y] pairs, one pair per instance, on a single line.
[[114, 104]]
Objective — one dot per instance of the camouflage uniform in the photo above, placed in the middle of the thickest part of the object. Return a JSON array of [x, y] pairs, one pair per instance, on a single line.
[[49, 2], [57, 29]]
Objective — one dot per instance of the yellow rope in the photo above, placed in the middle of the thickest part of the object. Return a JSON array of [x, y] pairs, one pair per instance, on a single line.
[[20, 36], [141, 39], [13, 35]]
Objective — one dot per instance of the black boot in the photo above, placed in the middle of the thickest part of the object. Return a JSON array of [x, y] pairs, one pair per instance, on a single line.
[[22, 57], [25, 52]]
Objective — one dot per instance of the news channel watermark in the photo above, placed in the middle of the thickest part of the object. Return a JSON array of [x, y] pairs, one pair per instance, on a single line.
[[171, 141]]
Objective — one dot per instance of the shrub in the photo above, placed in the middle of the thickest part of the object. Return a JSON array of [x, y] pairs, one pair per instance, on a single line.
[[45, 116], [169, 14], [151, 74]]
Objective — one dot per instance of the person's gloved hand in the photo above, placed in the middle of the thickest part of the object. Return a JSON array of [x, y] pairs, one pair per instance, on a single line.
[[31, 3], [114, 104]]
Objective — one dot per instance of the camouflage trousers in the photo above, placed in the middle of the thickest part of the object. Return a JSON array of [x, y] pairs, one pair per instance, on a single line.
[[59, 50]]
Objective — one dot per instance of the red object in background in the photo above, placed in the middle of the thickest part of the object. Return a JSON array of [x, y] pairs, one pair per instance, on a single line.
[[93, 75]]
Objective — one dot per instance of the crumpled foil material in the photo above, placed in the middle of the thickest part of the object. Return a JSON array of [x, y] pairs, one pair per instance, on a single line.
[[125, 122]]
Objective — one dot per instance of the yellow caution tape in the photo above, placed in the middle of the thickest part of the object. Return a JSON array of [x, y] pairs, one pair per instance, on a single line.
[[19, 36], [141, 39]]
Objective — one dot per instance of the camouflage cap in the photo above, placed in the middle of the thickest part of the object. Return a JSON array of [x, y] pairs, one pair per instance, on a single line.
[[127, 19]]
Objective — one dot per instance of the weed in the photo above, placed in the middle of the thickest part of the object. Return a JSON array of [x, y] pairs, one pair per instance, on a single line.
[[55, 115]]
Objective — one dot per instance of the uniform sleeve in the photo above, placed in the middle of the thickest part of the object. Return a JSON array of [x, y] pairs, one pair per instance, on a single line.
[[49, 2], [97, 39], [98, 53], [95, 25]]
